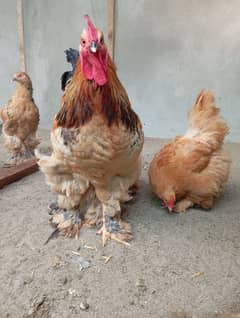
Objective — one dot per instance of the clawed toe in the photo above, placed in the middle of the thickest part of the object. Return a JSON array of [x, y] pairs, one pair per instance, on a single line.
[[12, 161], [116, 230], [69, 223], [18, 158], [53, 208], [65, 223]]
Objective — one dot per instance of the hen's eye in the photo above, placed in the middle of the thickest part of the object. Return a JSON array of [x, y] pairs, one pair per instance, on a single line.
[[101, 40]]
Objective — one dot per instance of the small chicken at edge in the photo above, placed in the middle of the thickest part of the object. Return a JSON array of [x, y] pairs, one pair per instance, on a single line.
[[20, 121], [192, 169]]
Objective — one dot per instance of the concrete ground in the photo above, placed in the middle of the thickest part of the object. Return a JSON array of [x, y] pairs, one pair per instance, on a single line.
[[187, 263]]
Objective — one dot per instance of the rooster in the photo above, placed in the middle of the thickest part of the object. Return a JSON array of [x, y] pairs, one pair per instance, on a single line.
[[20, 120], [97, 139], [192, 169], [72, 56]]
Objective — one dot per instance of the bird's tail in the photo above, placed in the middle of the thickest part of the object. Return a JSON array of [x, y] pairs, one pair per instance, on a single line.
[[206, 124], [72, 56]]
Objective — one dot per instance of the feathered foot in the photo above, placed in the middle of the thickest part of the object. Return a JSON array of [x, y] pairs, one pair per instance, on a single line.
[[19, 158], [116, 230], [13, 160], [66, 223], [93, 216], [28, 154], [182, 206]]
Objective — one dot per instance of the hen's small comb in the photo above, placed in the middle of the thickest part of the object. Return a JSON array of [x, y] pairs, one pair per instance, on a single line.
[[91, 30]]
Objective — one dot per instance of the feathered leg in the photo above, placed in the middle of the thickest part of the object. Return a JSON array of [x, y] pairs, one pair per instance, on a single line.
[[114, 228], [20, 150], [14, 146], [112, 225], [74, 196], [119, 190], [67, 221], [30, 144]]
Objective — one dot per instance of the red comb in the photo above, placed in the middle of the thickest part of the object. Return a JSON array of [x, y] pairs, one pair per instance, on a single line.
[[91, 30]]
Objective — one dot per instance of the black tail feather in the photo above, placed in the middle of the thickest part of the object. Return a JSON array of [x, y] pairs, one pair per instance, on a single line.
[[72, 56]]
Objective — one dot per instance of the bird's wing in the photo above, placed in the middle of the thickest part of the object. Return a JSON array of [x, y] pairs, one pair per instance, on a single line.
[[23, 118], [3, 111], [185, 154], [11, 126]]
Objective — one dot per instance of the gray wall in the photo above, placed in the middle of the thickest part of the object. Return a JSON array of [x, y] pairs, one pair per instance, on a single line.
[[9, 59], [50, 28], [166, 52]]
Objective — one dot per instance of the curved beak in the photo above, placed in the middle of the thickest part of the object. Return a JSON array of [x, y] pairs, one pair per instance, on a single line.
[[169, 208], [169, 205], [93, 46]]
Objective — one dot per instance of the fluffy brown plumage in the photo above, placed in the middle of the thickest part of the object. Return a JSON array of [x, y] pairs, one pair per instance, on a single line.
[[193, 168], [20, 120], [97, 140]]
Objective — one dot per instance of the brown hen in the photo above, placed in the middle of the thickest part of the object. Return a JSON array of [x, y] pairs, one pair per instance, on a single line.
[[192, 169], [97, 140], [20, 120]]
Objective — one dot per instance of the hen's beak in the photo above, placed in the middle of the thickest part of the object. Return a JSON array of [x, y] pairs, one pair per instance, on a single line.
[[93, 46], [169, 205]]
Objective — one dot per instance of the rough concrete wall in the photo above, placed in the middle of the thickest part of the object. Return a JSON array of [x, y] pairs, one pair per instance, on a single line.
[[166, 52], [9, 59], [50, 28], [173, 49]]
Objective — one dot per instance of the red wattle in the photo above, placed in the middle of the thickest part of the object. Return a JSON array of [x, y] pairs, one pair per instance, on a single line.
[[94, 66]]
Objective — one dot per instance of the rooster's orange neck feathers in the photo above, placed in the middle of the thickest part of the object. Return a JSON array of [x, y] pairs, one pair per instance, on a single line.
[[83, 98]]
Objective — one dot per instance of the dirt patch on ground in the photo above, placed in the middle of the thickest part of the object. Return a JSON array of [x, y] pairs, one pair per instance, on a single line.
[[187, 263]]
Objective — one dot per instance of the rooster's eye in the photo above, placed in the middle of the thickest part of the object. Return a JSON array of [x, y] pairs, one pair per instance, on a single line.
[[101, 40], [83, 42]]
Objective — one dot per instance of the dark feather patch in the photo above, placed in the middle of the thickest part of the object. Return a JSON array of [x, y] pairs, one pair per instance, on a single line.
[[128, 117], [109, 108], [86, 113], [68, 136], [72, 57], [83, 98], [118, 110], [66, 76], [81, 110], [75, 116]]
